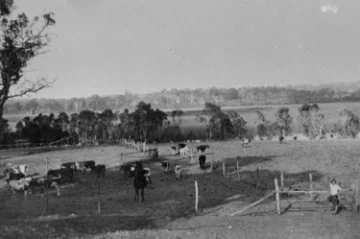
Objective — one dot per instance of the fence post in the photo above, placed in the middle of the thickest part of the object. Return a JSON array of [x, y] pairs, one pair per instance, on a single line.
[[311, 186], [282, 181], [356, 195], [46, 184], [277, 196], [237, 169], [196, 196], [212, 167], [257, 177], [99, 208], [224, 170]]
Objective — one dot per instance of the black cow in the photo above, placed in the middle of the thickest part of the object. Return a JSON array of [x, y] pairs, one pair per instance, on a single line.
[[129, 169], [71, 165], [202, 148], [281, 139], [89, 164], [43, 183], [202, 160], [153, 152], [181, 145], [295, 138], [166, 166], [66, 174]]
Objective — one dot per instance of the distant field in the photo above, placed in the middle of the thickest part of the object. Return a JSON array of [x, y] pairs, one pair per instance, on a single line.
[[331, 111], [189, 122]]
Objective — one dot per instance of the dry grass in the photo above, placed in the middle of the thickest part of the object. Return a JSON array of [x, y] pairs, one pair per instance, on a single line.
[[170, 202]]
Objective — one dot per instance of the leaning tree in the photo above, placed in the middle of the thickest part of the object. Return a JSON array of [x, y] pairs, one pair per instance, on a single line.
[[21, 40]]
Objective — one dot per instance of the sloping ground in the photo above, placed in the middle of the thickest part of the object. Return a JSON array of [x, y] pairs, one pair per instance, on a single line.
[[302, 225], [168, 209]]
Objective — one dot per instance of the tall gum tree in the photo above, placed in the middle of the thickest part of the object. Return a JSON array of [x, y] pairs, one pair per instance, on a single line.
[[21, 40]]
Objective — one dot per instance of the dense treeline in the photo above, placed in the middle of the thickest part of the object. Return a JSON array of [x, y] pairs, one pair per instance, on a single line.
[[89, 127], [146, 124], [175, 99]]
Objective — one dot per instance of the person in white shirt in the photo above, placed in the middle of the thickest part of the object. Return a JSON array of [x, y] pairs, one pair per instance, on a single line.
[[333, 198]]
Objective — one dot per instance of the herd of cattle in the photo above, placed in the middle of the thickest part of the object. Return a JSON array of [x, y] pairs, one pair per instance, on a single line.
[[18, 179]]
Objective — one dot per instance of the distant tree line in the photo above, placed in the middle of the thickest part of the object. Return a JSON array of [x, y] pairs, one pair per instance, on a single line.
[[312, 122], [146, 124], [178, 99]]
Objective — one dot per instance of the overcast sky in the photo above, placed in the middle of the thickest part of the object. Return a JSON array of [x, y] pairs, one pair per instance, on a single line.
[[107, 47]]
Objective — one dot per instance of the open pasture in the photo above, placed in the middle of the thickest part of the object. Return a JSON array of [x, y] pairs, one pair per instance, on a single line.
[[331, 111], [168, 210]]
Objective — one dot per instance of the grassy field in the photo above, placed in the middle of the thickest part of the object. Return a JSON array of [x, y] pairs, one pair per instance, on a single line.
[[168, 211], [331, 111]]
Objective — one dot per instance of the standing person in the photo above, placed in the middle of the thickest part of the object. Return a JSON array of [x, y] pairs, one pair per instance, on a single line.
[[333, 198]]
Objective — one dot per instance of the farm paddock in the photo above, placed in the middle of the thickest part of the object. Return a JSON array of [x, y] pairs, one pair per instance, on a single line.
[[168, 210]]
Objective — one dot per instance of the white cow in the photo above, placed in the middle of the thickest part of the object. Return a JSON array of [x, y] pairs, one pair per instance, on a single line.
[[17, 169], [245, 141], [184, 151], [178, 171], [147, 174]]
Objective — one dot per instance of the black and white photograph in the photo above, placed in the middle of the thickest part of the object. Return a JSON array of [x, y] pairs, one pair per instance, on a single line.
[[169, 119]]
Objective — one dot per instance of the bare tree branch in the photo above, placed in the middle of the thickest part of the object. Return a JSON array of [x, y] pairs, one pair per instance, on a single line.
[[33, 88]]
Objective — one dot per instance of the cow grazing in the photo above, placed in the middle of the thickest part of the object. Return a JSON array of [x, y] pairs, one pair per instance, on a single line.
[[202, 161], [202, 148], [13, 174], [153, 152], [174, 150], [178, 171], [85, 165], [66, 174], [147, 173], [129, 169], [184, 151], [166, 166], [22, 184], [140, 181], [281, 139], [17, 181], [43, 183], [18, 169], [71, 165], [295, 138], [245, 141], [89, 164]]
